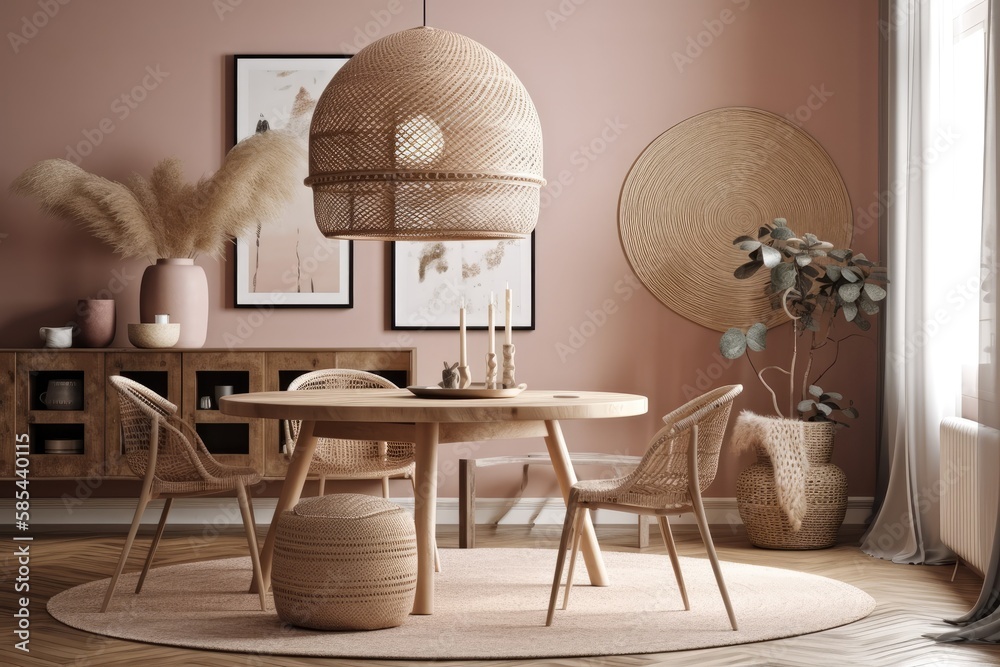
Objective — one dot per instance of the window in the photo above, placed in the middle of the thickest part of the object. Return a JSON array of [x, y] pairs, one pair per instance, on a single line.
[[956, 184]]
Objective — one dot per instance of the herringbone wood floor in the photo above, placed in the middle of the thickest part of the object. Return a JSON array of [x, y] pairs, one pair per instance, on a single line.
[[911, 600]]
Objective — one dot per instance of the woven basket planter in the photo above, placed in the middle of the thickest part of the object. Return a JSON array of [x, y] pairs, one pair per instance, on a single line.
[[826, 498], [344, 562]]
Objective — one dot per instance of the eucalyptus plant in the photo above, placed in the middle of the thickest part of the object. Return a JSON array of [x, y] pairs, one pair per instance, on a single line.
[[812, 281]]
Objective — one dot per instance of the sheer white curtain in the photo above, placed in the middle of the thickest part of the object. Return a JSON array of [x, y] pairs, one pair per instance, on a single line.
[[982, 623], [933, 259]]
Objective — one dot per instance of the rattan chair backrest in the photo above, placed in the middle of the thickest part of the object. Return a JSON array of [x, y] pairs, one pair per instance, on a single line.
[[664, 467], [340, 378], [341, 457], [142, 410]]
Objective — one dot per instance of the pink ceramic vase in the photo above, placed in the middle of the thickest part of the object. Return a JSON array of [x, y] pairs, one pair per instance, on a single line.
[[95, 323], [178, 288]]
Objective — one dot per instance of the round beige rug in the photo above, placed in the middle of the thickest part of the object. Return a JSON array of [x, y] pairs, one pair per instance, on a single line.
[[490, 603]]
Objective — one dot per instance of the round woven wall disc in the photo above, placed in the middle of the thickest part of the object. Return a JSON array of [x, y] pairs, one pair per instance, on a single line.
[[709, 179]]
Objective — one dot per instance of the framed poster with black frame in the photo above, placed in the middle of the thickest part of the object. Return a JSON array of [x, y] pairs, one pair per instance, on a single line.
[[432, 279], [289, 263]]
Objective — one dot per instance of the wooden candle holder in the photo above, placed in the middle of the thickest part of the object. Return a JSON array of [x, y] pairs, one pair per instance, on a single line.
[[491, 371], [464, 379], [508, 367]]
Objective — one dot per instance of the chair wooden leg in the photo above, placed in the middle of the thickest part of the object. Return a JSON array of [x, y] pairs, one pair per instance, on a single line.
[[668, 540], [561, 556], [253, 517], [706, 537], [437, 556], [385, 488], [577, 538], [140, 507], [322, 485], [251, 530], [155, 543], [643, 531]]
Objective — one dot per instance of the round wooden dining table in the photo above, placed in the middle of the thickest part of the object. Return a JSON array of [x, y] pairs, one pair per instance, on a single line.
[[399, 415]]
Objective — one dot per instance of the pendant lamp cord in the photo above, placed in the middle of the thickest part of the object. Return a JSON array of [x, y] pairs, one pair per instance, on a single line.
[[425, 13]]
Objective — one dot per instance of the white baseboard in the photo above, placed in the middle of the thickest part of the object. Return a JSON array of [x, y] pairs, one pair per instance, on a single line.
[[224, 512]]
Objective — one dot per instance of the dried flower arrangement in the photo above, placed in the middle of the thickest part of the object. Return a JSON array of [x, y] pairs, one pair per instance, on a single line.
[[165, 216]]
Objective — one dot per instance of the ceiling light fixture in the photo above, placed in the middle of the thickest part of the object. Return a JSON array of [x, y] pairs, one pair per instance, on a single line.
[[425, 135]]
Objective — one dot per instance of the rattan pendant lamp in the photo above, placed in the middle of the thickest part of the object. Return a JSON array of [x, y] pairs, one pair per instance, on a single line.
[[425, 135]]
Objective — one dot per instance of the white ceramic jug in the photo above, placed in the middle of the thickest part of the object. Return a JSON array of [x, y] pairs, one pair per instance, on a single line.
[[56, 336]]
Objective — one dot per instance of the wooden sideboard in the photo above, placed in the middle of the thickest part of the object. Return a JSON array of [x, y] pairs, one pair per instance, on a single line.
[[183, 377]]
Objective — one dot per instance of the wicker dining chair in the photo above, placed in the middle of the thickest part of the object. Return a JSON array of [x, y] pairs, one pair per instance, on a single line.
[[173, 462], [685, 450], [338, 459], [351, 459]]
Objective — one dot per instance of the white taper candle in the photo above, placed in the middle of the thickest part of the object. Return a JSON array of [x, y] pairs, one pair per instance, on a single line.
[[509, 304], [490, 324], [463, 359]]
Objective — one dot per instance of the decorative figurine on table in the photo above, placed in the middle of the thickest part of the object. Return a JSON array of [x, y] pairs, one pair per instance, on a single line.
[[449, 376]]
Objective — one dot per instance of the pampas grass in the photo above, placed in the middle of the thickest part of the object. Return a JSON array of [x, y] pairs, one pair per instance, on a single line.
[[165, 216]]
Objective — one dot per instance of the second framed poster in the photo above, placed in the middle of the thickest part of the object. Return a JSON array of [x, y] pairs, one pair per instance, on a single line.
[[432, 279], [289, 263]]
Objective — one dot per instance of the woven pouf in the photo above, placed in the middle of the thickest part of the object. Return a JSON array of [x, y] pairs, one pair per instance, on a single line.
[[826, 498], [344, 562]]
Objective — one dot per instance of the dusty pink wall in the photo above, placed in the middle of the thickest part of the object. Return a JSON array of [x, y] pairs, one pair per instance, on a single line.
[[589, 65]]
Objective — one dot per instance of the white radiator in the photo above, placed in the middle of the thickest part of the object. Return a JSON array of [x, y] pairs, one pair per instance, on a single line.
[[970, 483]]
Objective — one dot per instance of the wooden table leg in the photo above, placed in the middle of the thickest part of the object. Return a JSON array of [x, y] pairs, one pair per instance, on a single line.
[[291, 491], [425, 452], [466, 503], [563, 467]]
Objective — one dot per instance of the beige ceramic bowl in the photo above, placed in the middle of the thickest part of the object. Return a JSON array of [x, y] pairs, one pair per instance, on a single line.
[[150, 335]]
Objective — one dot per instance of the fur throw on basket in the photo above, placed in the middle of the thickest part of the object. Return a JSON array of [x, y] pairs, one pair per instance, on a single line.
[[784, 441]]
